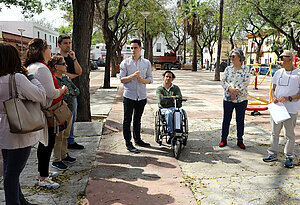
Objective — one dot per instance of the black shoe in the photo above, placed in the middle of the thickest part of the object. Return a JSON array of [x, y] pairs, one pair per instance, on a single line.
[[24, 202], [131, 148], [169, 140], [69, 159], [141, 143], [75, 146], [59, 165]]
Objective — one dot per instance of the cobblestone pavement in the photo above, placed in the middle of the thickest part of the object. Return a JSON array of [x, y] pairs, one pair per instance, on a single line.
[[215, 175]]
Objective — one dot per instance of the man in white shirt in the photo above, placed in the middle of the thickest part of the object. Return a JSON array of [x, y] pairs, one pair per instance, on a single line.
[[286, 90], [135, 73]]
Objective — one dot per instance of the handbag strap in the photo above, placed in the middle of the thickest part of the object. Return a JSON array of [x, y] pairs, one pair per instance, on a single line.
[[12, 82]]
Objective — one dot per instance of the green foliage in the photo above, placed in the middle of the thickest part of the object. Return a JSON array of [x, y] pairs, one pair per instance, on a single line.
[[66, 30], [97, 37], [29, 7], [156, 21]]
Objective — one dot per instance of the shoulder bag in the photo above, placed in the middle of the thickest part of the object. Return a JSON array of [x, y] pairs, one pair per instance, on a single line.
[[57, 114], [23, 116]]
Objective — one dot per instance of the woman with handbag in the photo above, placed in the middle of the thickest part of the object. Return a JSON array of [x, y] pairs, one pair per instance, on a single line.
[[15, 147], [60, 154], [37, 54]]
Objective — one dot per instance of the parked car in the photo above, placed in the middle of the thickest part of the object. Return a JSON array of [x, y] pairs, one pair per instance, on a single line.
[[100, 63], [93, 65], [264, 68], [274, 68]]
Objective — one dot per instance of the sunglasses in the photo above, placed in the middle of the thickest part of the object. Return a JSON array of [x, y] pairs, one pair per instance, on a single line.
[[281, 57], [64, 64], [232, 56]]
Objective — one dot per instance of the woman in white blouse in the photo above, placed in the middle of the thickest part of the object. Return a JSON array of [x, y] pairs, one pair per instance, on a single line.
[[15, 147], [37, 55], [235, 81]]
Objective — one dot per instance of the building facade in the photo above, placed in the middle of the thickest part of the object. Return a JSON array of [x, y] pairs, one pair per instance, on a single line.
[[30, 30]]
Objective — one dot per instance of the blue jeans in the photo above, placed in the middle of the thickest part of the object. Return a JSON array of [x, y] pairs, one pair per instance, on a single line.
[[14, 161], [240, 109], [168, 113], [135, 108], [71, 139]]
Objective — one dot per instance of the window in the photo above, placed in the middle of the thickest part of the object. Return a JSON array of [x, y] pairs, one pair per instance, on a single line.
[[158, 47], [56, 41], [38, 34], [205, 50], [46, 37], [50, 38]]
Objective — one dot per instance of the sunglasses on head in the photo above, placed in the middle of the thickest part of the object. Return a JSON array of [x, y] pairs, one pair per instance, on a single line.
[[62, 64], [281, 57]]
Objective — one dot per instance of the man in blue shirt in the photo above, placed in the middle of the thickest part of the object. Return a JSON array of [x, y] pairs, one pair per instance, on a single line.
[[135, 73]]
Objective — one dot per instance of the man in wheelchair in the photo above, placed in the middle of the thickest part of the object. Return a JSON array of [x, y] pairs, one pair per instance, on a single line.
[[165, 95]]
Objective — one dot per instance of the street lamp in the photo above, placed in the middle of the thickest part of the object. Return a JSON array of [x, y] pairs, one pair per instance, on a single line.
[[145, 14], [21, 31]]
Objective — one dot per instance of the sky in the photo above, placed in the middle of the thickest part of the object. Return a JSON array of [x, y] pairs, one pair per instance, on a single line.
[[14, 14]]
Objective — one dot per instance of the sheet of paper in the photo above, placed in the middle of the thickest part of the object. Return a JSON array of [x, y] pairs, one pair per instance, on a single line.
[[278, 112]]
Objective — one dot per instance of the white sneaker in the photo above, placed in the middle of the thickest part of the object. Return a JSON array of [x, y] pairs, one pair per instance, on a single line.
[[52, 174], [48, 183]]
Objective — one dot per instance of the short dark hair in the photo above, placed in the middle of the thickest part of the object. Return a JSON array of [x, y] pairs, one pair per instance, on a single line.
[[173, 75], [54, 61], [136, 41], [62, 37], [10, 61], [35, 50]]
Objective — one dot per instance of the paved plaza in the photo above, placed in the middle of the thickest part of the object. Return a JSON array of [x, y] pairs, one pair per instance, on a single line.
[[106, 173]]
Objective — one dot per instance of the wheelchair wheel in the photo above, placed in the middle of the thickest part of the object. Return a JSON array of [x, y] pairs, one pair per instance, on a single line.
[[185, 128], [158, 128], [177, 146]]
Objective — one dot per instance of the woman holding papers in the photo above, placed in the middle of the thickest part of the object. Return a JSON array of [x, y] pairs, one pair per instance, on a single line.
[[286, 89], [235, 81]]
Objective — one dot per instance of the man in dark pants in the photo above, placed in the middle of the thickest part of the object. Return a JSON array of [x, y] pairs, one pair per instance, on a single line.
[[135, 73], [73, 70]]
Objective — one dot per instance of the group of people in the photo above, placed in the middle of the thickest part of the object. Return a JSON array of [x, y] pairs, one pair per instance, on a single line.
[[286, 90], [47, 80], [136, 72]]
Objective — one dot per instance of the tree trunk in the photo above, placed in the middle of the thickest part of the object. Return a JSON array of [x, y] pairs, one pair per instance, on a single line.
[[113, 64], [194, 63], [217, 71], [150, 48], [108, 42], [201, 58], [83, 16], [211, 58]]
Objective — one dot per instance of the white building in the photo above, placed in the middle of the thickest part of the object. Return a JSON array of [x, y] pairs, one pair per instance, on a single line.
[[160, 47], [32, 30], [266, 54], [98, 52]]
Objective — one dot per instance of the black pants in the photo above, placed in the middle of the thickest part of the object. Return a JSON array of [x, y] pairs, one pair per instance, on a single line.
[[14, 161], [136, 108], [44, 153]]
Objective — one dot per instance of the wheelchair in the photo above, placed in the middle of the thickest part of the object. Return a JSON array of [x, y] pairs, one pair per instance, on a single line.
[[180, 126]]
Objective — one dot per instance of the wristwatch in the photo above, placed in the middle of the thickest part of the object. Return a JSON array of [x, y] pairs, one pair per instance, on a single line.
[[74, 59], [290, 98]]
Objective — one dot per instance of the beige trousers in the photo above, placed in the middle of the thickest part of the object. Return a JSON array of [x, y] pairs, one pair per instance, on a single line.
[[61, 146]]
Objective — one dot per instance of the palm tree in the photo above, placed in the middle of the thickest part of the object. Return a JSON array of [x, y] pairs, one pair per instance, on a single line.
[[190, 15]]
